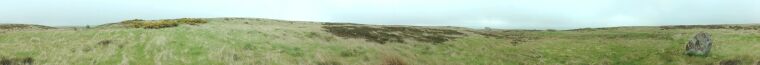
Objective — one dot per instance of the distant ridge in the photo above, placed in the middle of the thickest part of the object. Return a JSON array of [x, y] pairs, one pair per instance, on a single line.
[[24, 26]]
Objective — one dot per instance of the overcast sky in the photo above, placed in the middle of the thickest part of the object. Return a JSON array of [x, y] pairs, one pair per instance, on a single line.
[[509, 14]]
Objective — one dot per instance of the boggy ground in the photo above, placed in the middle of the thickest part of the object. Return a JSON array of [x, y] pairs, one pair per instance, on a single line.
[[255, 41]]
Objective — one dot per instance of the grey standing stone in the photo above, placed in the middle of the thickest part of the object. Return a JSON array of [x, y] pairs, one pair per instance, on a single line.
[[699, 45]]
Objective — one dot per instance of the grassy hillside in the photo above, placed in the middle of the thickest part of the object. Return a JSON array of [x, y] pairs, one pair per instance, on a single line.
[[253, 41]]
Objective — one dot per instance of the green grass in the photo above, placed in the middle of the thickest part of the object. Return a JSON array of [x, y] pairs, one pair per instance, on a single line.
[[232, 41]]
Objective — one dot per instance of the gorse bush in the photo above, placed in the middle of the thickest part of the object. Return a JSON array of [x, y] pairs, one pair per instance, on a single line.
[[136, 23], [161, 24], [139, 23]]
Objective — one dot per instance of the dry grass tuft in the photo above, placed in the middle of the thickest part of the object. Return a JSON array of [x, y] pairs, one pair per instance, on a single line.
[[393, 61]]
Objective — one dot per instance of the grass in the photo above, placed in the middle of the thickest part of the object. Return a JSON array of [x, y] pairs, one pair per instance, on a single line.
[[228, 41]]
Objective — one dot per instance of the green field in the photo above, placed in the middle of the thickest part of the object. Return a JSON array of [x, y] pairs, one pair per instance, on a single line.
[[254, 41]]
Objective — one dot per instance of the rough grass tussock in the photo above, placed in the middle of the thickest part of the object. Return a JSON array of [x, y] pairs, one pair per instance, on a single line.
[[384, 35]]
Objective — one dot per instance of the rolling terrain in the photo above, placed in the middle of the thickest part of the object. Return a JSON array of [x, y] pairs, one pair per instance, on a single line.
[[257, 41]]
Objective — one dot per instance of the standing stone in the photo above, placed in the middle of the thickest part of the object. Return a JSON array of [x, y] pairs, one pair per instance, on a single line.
[[699, 45]]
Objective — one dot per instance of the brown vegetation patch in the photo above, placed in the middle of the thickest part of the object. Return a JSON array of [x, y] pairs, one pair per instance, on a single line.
[[24, 26], [730, 62], [139, 23], [105, 42], [384, 35], [735, 27], [16, 61]]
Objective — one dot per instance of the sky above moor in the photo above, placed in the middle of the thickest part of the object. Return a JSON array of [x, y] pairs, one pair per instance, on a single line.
[[507, 14]]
